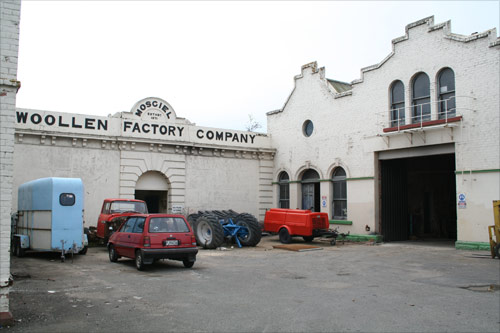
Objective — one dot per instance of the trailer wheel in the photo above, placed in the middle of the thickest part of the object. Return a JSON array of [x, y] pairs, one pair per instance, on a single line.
[[113, 256], [254, 232], [308, 239], [284, 236], [83, 251], [209, 232], [18, 250]]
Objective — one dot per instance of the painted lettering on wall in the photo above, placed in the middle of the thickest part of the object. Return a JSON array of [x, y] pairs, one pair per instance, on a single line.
[[51, 120], [225, 136], [156, 105], [133, 127]]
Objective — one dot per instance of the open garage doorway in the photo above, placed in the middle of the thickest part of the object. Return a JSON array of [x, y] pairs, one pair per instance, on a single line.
[[152, 187], [418, 197]]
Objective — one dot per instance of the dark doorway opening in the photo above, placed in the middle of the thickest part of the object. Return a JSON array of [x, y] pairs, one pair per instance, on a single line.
[[418, 198], [155, 200]]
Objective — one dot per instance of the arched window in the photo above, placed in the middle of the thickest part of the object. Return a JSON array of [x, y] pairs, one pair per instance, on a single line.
[[397, 104], [311, 190], [339, 211], [284, 194], [421, 98], [446, 88]]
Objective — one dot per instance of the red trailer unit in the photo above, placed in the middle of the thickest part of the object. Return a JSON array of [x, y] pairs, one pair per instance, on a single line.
[[288, 223]]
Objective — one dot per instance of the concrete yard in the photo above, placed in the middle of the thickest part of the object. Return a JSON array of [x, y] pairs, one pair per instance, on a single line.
[[392, 287]]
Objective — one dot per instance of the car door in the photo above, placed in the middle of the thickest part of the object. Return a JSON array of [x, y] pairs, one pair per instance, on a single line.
[[135, 238], [123, 243]]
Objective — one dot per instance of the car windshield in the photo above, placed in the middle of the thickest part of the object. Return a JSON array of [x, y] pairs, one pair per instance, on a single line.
[[168, 224], [128, 206]]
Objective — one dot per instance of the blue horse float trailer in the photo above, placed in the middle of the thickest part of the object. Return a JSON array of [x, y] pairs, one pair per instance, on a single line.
[[50, 217]]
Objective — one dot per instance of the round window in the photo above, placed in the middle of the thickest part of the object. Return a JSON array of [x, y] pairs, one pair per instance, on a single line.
[[308, 128]]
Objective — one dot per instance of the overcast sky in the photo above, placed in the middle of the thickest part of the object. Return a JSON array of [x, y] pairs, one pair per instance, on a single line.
[[214, 62]]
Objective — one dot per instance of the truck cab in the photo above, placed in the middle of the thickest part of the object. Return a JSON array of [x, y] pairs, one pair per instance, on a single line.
[[114, 212]]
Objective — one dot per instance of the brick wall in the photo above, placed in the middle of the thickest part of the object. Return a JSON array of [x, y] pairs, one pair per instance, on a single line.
[[9, 43]]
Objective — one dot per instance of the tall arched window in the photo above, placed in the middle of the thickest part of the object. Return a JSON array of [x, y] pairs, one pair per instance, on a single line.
[[446, 88], [421, 98], [397, 104], [284, 194], [339, 194]]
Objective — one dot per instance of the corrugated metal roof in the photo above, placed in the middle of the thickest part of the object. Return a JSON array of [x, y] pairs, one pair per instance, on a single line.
[[339, 86]]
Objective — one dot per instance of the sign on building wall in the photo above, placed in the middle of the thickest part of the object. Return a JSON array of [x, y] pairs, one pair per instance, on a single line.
[[150, 118]]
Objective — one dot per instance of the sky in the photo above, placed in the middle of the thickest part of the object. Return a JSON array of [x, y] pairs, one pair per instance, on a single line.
[[214, 62]]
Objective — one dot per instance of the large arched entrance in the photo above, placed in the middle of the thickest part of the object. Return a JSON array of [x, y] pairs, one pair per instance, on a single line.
[[152, 187], [311, 191]]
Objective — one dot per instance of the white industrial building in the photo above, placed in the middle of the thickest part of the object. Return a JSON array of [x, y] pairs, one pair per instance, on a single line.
[[410, 150]]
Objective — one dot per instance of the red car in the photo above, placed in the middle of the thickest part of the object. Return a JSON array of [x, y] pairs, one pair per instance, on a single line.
[[149, 237]]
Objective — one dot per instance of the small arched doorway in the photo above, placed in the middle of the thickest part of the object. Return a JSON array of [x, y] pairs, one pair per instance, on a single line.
[[311, 191], [152, 187]]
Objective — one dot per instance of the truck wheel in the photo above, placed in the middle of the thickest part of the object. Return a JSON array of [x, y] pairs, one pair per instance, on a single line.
[[209, 232], [113, 256], [254, 232], [187, 263], [284, 236], [308, 239], [139, 260]]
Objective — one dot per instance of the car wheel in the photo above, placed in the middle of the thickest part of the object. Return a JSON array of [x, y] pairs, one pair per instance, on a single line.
[[113, 256], [187, 263], [308, 239], [139, 260], [284, 236]]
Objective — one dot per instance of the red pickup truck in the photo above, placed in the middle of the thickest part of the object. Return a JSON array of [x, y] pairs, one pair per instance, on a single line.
[[114, 212], [288, 223]]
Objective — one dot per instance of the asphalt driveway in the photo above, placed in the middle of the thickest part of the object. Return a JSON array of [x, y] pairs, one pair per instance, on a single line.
[[394, 287]]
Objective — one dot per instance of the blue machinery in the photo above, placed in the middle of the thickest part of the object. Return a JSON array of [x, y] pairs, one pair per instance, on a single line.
[[234, 231]]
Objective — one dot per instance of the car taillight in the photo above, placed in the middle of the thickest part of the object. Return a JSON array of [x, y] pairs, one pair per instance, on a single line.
[[147, 241], [193, 240]]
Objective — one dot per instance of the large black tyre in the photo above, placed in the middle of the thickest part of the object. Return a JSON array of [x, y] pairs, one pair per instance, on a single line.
[[284, 236], [192, 218], [139, 260], [254, 231], [209, 232], [113, 256]]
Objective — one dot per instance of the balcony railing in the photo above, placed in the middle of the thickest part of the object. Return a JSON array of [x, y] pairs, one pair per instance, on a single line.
[[425, 114]]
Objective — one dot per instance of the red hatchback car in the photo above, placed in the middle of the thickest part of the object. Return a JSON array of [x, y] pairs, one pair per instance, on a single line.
[[149, 237]]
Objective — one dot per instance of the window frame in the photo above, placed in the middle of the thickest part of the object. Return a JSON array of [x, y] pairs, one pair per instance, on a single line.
[[342, 181], [283, 184], [397, 108], [450, 111], [421, 101]]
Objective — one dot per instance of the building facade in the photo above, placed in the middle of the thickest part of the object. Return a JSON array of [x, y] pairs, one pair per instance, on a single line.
[[148, 153], [408, 151]]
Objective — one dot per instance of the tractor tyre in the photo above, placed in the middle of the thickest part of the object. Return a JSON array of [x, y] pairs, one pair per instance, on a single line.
[[192, 220], [209, 232], [254, 231]]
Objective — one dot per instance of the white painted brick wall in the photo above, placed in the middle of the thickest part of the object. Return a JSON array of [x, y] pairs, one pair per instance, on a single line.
[[9, 42], [346, 130]]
